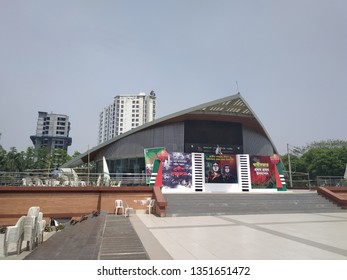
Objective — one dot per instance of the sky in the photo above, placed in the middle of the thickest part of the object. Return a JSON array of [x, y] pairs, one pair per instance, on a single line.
[[288, 59]]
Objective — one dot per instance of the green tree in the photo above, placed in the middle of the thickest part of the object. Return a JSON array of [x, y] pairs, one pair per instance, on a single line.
[[325, 161], [30, 158], [321, 158], [2, 158], [58, 157], [33, 159], [75, 154], [14, 161], [42, 158]]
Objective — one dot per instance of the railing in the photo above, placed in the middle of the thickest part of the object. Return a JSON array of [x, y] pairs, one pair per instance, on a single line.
[[331, 181], [73, 179]]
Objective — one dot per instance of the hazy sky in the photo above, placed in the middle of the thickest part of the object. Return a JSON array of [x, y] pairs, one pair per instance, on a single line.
[[72, 57]]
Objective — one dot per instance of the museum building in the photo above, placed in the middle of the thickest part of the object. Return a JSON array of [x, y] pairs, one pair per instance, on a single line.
[[219, 146]]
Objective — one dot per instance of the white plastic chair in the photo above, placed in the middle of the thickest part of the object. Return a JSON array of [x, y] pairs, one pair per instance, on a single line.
[[41, 228], [31, 226], [30, 231], [119, 205], [14, 234], [150, 206], [34, 211], [127, 209]]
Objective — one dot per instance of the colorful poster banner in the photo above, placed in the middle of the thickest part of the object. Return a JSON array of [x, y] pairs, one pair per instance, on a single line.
[[263, 172], [150, 156], [177, 171], [220, 168]]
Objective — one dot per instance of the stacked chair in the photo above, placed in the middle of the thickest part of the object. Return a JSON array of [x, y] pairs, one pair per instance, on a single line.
[[14, 234], [41, 225], [29, 228]]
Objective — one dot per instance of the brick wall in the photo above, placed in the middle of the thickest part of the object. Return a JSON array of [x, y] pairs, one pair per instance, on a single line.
[[68, 201]]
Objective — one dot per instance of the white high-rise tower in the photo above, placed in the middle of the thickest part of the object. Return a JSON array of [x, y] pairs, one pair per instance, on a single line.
[[125, 113]]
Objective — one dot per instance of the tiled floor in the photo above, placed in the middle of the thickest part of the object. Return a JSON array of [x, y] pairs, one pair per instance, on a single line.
[[251, 237], [318, 236]]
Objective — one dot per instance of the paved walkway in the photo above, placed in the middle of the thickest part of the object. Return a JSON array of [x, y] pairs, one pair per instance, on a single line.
[[309, 236], [252, 237]]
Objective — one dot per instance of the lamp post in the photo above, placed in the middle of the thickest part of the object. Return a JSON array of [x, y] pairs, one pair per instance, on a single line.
[[88, 166], [290, 168]]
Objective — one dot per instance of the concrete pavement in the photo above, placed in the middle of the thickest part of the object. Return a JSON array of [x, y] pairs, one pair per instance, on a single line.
[[312, 236], [284, 236], [318, 236]]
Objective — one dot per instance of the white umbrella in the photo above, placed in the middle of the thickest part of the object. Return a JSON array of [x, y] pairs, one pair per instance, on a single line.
[[106, 171]]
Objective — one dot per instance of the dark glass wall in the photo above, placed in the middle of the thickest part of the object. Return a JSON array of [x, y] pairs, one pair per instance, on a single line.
[[207, 136], [128, 165]]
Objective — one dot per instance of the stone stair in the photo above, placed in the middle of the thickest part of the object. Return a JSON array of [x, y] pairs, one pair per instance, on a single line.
[[120, 241], [207, 204], [106, 237]]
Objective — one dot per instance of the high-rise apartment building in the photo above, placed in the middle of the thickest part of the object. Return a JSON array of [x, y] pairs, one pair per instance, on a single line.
[[52, 131], [125, 113]]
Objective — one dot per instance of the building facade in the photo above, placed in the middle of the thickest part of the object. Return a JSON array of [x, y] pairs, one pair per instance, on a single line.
[[219, 146], [125, 113], [52, 131]]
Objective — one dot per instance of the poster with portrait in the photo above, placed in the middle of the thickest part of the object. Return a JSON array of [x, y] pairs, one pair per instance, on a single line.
[[220, 168], [262, 172], [177, 171]]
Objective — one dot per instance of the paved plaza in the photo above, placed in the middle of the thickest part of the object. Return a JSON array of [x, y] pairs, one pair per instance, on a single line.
[[252, 237], [299, 236]]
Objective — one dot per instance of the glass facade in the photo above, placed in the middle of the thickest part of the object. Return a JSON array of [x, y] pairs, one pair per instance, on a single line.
[[127, 165]]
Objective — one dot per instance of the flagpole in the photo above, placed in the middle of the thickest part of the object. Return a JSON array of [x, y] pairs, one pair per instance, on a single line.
[[290, 167], [88, 165]]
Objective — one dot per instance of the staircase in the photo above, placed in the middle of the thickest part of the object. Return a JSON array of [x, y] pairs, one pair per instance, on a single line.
[[208, 204]]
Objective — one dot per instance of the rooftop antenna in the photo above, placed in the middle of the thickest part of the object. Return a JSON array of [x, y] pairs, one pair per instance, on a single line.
[[237, 87]]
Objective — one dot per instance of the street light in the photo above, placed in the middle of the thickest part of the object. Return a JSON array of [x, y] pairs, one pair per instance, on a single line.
[[290, 168], [298, 152]]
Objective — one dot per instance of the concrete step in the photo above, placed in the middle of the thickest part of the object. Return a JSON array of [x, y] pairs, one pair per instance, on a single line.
[[120, 241], [247, 203], [106, 237]]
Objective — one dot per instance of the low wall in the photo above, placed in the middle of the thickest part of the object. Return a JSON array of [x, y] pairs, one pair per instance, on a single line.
[[58, 202], [337, 195]]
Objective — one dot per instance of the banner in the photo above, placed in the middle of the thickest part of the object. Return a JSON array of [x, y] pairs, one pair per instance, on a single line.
[[220, 168], [263, 175], [177, 171], [151, 155]]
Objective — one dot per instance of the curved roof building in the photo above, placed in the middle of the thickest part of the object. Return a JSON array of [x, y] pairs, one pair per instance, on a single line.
[[226, 126]]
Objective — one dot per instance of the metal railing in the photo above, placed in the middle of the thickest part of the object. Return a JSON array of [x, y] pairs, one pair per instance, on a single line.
[[40, 178], [331, 181]]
